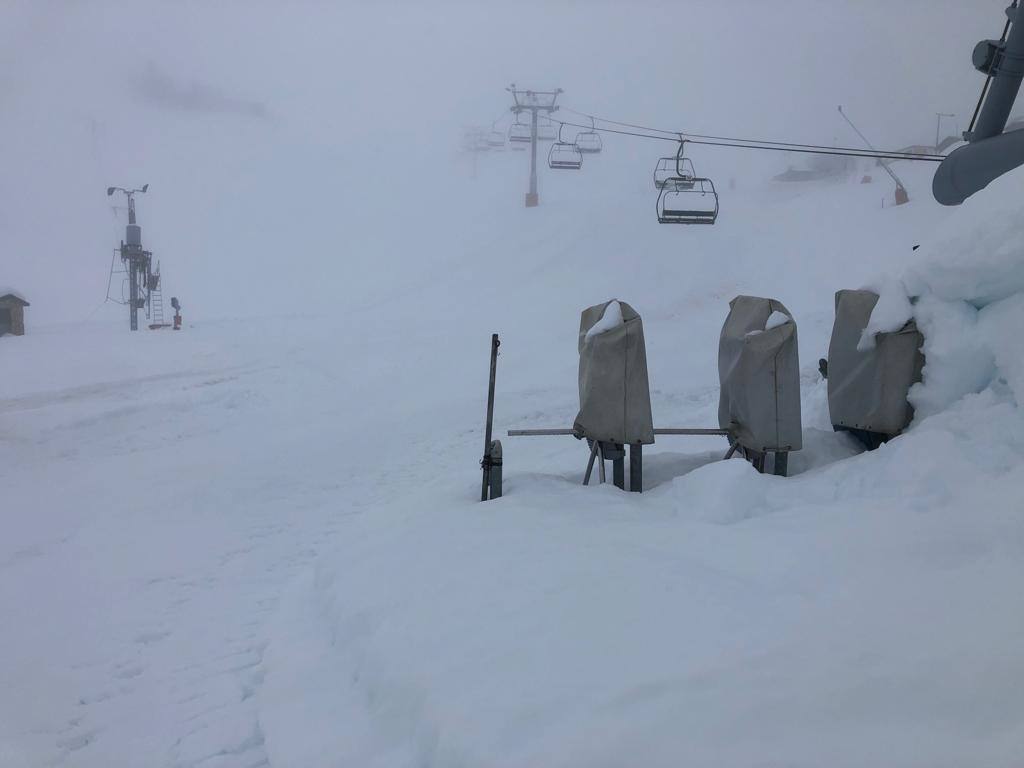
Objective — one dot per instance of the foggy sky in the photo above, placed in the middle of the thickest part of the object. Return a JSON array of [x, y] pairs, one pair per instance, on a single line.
[[273, 135]]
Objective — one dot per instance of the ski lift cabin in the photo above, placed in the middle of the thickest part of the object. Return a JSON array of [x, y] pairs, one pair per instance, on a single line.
[[667, 168], [687, 201], [496, 139]]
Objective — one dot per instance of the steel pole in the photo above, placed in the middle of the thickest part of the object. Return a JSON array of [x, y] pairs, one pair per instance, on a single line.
[[885, 166], [532, 199], [485, 463]]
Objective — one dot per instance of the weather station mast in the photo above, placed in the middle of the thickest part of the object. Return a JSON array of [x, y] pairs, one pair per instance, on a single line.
[[137, 261]]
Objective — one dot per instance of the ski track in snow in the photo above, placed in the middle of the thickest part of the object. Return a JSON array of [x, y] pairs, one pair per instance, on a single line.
[[140, 616]]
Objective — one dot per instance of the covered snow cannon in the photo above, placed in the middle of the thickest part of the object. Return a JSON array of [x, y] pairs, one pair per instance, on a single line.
[[867, 386], [615, 396], [759, 376]]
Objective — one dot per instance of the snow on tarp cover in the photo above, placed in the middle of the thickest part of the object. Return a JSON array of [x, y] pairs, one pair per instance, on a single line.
[[868, 384], [759, 375], [615, 397]]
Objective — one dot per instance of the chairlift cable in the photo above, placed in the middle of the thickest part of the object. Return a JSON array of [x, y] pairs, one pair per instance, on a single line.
[[618, 122], [734, 141], [836, 152], [776, 147]]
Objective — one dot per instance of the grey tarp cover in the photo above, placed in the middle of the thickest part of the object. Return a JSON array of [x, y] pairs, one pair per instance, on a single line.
[[759, 375], [868, 389], [615, 397]]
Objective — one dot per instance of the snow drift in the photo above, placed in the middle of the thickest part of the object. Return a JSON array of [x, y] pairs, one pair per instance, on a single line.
[[862, 612]]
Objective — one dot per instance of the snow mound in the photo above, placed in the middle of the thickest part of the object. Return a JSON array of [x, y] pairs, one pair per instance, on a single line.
[[977, 253], [969, 284], [891, 313], [713, 617], [612, 318], [776, 319]]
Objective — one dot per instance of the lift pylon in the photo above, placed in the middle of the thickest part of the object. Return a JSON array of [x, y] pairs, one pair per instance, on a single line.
[[533, 102]]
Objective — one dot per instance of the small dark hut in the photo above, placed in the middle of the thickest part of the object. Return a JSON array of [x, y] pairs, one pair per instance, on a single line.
[[12, 312]]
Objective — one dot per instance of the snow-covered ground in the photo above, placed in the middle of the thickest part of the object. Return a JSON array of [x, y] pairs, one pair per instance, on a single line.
[[257, 541]]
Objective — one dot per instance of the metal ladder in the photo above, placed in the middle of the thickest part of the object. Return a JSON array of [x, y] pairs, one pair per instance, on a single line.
[[156, 306]]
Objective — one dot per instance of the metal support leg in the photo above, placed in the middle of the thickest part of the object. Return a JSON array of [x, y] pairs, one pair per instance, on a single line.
[[636, 468], [494, 477], [590, 463], [616, 453], [781, 463], [757, 459], [600, 458]]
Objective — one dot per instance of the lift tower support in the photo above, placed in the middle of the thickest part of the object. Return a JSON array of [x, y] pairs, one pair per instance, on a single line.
[[533, 102], [137, 261]]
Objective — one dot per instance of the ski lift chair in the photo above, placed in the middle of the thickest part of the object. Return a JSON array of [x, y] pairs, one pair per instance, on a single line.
[[589, 142], [687, 201], [667, 168], [519, 133], [496, 139], [545, 129], [563, 155]]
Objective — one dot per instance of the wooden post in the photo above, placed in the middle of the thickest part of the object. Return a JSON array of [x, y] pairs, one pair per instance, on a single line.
[[485, 463]]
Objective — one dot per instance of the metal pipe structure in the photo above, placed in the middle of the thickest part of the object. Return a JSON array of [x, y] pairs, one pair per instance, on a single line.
[[1004, 61], [662, 431], [989, 152]]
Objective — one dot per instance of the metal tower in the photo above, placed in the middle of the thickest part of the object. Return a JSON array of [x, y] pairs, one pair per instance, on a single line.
[[533, 102], [138, 263]]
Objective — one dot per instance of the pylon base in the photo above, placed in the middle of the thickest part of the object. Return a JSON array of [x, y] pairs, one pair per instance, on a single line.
[[532, 199]]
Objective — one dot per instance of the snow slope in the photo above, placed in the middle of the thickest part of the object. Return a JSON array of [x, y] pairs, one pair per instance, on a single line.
[[257, 542]]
